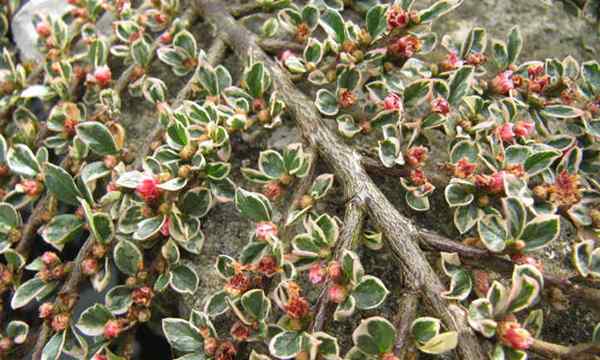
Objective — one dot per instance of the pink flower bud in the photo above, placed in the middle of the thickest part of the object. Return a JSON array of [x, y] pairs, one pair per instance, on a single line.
[[405, 47], [397, 18], [496, 184], [513, 335], [285, 55], [49, 258], [165, 229], [89, 266], [335, 270], [112, 329], [43, 29], [464, 168], [337, 293], [60, 322], [272, 190], [523, 129], [316, 274], [265, 230], [503, 83], [440, 106], [392, 101], [505, 132], [416, 155], [45, 310]]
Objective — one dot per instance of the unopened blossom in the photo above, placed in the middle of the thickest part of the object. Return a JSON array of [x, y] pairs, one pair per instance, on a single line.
[[523, 129], [165, 38], [239, 331], [440, 105], [238, 284], [514, 336], [112, 329], [225, 351], [31, 187], [43, 29], [317, 274], [397, 18], [503, 82], [49, 258], [210, 345], [89, 266], [286, 55], [103, 76], [566, 190], [267, 266], [346, 98], [392, 101], [334, 270], [389, 356], [476, 59], [142, 296], [491, 183], [148, 189], [451, 62], [418, 177], [505, 132], [265, 230], [165, 229], [405, 47], [297, 307], [272, 190], [416, 155], [464, 168], [337, 293], [60, 322], [45, 310], [533, 71]]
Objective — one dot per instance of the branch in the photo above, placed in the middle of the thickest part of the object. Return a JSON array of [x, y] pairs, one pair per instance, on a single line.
[[554, 351], [483, 259], [351, 231], [407, 313], [401, 234]]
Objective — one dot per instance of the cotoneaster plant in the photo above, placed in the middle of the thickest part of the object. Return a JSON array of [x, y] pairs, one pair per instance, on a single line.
[[81, 200]]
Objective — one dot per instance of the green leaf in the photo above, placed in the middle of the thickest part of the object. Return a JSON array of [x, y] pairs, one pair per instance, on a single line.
[[61, 184], [370, 293], [326, 102], [62, 229], [271, 163], [460, 84], [216, 304], [256, 304], [523, 293], [182, 335], [465, 217], [254, 206], [184, 280], [492, 232], [376, 21], [54, 347], [286, 344], [374, 336], [459, 193], [416, 92], [149, 227], [21, 161], [255, 80], [515, 44], [197, 202], [561, 111], [591, 74], [460, 286], [516, 215], [333, 24], [26, 292], [417, 203], [540, 232], [93, 319], [441, 343], [127, 257], [438, 9], [321, 185], [18, 331], [97, 136], [185, 41]]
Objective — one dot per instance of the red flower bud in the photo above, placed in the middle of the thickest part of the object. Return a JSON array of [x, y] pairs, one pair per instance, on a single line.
[[43, 29], [297, 308], [148, 189], [49, 258], [505, 132], [239, 331], [89, 266], [335, 270], [440, 106], [503, 83], [513, 335], [316, 274], [165, 229], [523, 129], [337, 293], [397, 18], [272, 190], [112, 329], [346, 98], [46, 310], [165, 38], [416, 155], [60, 322], [103, 76], [142, 296]]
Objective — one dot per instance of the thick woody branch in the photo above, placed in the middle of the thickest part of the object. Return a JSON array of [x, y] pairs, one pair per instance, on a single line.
[[407, 313], [401, 234], [354, 219]]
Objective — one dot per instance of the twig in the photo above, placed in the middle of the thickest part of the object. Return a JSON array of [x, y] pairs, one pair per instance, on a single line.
[[554, 351], [407, 312], [400, 233], [483, 259], [352, 229], [274, 46]]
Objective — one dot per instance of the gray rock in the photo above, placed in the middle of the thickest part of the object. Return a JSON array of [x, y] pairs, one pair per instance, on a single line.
[[22, 24]]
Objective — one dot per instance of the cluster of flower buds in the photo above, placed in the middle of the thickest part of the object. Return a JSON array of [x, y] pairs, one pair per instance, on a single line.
[[513, 335], [90, 265], [493, 184], [405, 47], [53, 268]]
